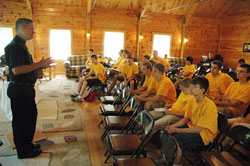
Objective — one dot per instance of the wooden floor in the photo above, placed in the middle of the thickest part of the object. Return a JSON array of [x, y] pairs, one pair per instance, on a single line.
[[90, 119]]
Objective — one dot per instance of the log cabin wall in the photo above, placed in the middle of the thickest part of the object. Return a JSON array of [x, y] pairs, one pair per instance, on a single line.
[[225, 35], [235, 32], [46, 16]]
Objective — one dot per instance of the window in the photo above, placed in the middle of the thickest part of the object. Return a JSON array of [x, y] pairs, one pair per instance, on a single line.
[[113, 43], [161, 43], [6, 35], [60, 44]]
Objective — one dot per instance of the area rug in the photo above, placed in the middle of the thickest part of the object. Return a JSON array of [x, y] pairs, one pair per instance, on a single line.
[[58, 112], [60, 149]]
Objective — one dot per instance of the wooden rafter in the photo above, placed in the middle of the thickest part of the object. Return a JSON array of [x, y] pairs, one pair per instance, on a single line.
[[89, 2]]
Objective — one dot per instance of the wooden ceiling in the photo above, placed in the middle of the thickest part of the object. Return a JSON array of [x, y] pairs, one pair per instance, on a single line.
[[204, 9]]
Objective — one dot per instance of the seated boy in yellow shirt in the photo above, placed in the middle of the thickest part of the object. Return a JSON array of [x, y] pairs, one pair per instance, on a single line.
[[100, 76], [88, 63], [129, 71], [198, 127], [161, 60], [218, 81], [189, 69], [164, 88], [149, 83], [173, 113], [236, 98], [115, 75]]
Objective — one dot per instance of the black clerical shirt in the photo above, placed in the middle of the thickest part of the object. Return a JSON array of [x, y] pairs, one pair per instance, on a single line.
[[17, 54]]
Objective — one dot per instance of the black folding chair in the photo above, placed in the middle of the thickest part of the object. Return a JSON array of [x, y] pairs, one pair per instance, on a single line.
[[115, 109], [163, 141], [127, 144], [121, 122]]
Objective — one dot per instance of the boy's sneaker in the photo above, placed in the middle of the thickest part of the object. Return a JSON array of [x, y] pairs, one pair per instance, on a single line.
[[77, 99], [74, 95]]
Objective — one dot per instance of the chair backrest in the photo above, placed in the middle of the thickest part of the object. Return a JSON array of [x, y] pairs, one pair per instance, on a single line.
[[165, 143], [241, 135], [78, 59], [129, 102], [222, 127], [146, 123]]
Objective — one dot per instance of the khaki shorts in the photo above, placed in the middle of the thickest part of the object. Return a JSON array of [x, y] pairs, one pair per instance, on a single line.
[[156, 104], [162, 120]]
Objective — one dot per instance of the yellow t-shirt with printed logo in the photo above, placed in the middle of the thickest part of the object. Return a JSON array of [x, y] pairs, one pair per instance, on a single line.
[[218, 85], [162, 61], [240, 92], [166, 89], [99, 69], [205, 115], [119, 61], [180, 103], [189, 68], [129, 70], [150, 83]]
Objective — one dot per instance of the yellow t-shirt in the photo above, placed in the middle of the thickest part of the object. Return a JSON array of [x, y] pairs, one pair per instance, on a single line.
[[240, 92], [129, 70], [119, 68], [89, 62], [203, 114], [218, 85], [189, 68], [180, 103], [166, 89], [162, 61], [150, 83], [119, 61], [99, 69]]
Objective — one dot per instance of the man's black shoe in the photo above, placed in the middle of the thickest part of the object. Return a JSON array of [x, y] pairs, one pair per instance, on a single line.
[[32, 154], [36, 146]]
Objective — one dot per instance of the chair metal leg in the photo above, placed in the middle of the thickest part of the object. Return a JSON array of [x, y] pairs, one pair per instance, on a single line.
[[100, 123], [105, 154], [104, 134], [108, 158]]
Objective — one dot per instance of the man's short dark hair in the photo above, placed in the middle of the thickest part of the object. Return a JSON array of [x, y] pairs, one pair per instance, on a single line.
[[148, 65], [155, 51], [126, 52], [147, 57], [245, 66], [130, 56], [202, 81], [94, 56], [241, 61], [121, 50], [190, 59], [22, 22], [160, 67], [217, 63], [92, 50], [186, 82]]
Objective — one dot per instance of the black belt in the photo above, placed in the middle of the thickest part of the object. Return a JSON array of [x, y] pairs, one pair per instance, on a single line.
[[22, 83]]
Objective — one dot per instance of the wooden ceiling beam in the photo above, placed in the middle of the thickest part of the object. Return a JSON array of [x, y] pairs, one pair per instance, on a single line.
[[89, 2], [29, 7]]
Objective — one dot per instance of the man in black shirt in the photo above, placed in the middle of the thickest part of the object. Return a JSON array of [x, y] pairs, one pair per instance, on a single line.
[[23, 75]]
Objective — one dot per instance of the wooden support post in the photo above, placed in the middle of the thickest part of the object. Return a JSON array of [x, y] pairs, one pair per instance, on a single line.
[[88, 25], [183, 36]]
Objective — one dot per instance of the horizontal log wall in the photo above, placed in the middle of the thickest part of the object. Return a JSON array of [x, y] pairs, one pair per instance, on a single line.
[[203, 34], [235, 32]]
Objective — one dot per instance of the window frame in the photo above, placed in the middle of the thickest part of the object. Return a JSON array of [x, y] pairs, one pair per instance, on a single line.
[[159, 33]]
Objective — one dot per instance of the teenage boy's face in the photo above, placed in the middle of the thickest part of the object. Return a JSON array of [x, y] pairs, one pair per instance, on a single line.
[[215, 69], [130, 61], [242, 73], [185, 90], [155, 54], [156, 73], [144, 70], [94, 60], [196, 90], [144, 60]]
